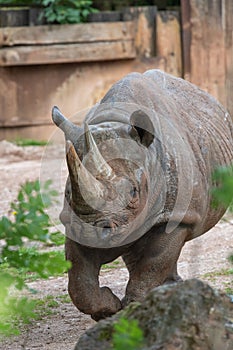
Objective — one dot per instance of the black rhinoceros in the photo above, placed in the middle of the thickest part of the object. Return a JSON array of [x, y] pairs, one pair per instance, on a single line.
[[140, 175]]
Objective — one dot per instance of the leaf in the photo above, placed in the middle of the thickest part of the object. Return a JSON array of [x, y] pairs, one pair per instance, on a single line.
[[222, 190], [29, 224], [12, 307], [127, 335], [69, 11], [5, 227], [47, 184]]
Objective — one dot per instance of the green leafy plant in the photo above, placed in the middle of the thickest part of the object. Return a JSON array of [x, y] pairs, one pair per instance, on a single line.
[[29, 223], [127, 335], [13, 308], [58, 11], [25, 272], [223, 189], [67, 11], [57, 239]]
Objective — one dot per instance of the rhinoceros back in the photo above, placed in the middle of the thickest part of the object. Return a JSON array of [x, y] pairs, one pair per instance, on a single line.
[[186, 119]]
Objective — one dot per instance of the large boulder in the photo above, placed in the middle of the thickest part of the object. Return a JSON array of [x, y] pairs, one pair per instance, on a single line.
[[188, 316]]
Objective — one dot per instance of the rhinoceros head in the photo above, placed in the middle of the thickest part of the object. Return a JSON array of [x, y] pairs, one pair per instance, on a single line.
[[107, 179]]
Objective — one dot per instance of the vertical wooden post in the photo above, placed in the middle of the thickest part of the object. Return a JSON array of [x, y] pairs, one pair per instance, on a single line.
[[144, 19], [229, 54], [168, 42], [207, 46], [186, 37]]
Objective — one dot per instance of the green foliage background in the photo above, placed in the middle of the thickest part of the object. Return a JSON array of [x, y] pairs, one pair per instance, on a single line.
[[58, 11], [68, 11], [77, 11], [223, 187], [222, 190]]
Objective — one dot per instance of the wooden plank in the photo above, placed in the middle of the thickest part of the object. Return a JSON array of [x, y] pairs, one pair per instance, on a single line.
[[41, 132], [207, 50], [228, 10], [186, 37], [168, 41], [75, 33], [52, 54]]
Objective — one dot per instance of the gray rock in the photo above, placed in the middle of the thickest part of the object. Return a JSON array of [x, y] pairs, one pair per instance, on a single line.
[[188, 315]]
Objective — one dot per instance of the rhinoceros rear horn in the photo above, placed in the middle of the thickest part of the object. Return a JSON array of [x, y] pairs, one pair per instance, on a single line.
[[70, 130], [142, 125], [99, 164]]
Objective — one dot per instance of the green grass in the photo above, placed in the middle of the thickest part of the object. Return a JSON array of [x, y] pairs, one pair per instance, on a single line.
[[42, 308], [112, 265], [64, 299], [222, 272], [229, 290], [228, 287], [48, 306], [214, 275], [45, 307], [29, 142]]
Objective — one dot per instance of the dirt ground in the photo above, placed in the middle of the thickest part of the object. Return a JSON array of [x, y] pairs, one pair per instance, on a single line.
[[61, 330]]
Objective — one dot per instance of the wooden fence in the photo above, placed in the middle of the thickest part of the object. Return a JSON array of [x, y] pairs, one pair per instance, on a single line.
[[66, 43], [75, 65]]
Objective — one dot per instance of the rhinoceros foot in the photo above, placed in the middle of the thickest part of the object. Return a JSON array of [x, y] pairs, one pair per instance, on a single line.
[[111, 305], [170, 280]]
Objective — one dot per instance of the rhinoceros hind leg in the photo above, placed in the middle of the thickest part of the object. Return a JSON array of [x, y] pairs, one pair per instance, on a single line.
[[153, 264], [83, 285]]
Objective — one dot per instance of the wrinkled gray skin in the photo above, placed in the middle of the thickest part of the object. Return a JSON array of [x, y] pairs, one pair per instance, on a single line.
[[139, 184]]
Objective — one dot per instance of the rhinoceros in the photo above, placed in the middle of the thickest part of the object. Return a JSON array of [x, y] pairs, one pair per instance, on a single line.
[[139, 184]]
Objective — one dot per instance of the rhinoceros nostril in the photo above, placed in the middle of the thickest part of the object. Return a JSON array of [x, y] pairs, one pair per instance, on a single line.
[[105, 224], [106, 232], [105, 229]]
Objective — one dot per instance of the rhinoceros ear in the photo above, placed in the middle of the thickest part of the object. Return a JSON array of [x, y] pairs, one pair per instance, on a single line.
[[71, 131], [142, 127]]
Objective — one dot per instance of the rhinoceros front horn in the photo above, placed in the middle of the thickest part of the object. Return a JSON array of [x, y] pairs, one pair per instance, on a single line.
[[100, 166], [82, 181], [70, 130]]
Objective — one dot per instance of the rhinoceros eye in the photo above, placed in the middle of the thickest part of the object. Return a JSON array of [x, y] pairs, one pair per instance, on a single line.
[[133, 192], [134, 201]]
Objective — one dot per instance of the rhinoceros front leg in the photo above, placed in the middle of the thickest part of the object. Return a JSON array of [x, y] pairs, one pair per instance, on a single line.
[[83, 284], [153, 262]]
